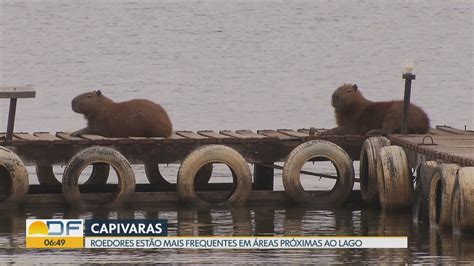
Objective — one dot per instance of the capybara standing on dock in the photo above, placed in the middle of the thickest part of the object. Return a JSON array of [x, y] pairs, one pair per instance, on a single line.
[[357, 115], [134, 118]]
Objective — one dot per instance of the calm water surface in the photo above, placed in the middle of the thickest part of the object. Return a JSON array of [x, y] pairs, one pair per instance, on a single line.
[[238, 65]]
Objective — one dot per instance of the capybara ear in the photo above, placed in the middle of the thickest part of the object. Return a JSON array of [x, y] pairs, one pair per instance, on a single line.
[[354, 87], [99, 93]]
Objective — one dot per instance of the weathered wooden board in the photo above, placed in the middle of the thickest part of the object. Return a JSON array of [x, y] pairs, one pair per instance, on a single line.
[[293, 133], [17, 92], [450, 148], [274, 134], [220, 138]]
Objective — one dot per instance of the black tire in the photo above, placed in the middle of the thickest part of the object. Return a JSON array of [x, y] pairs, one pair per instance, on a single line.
[[14, 182], [97, 154], [46, 176], [423, 176], [214, 154], [99, 175], [418, 208], [463, 202], [393, 178], [153, 174], [155, 177], [309, 150], [441, 194], [368, 168]]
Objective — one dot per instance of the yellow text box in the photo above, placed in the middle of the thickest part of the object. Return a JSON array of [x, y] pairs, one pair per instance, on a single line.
[[55, 242]]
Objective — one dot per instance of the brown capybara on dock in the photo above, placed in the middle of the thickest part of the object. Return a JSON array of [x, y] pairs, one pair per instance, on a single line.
[[357, 115], [134, 118]]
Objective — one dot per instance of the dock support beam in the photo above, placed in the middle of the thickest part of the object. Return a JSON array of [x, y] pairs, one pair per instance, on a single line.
[[11, 118], [263, 177]]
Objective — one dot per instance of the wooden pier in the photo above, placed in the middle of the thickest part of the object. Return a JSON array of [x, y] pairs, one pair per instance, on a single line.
[[444, 144]]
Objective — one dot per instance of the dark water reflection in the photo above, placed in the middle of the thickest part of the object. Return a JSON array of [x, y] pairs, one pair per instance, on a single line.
[[425, 245]]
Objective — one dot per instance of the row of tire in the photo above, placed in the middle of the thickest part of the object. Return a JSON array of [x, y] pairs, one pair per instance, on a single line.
[[103, 157], [384, 171], [441, 194]]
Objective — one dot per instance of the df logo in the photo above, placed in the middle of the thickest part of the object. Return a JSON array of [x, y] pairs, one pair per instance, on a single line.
[[54, 227]]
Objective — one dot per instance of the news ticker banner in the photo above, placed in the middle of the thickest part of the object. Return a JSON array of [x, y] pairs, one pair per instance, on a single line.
[[144, 233]]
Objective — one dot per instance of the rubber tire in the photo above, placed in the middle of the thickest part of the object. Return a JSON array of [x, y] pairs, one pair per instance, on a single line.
[[98, 154], [154, 176], [368, 168], [18, 177], [99, 175], [214, 154], [424, 175], [440, 212], [318, 148], [463, 202], [418, 207], [393, 178]]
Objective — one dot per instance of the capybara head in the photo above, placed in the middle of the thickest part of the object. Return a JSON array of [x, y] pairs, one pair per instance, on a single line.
[[346, 96], [88, 102]]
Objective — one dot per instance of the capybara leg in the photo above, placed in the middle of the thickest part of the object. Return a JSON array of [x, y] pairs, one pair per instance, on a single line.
[[80, 132], [334, 131]]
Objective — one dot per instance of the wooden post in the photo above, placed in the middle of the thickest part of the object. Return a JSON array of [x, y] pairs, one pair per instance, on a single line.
[[13, 93], [11, 118], [263, 177]]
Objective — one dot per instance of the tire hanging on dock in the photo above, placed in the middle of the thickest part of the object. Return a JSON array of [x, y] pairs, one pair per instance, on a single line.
[[441, 194], [155, 177], [463, 202], [421, 205], [310, 150], [368, 167], [98, 154], [417, 207], [214, 154], [393, 178], [14, 182], [99, 175]]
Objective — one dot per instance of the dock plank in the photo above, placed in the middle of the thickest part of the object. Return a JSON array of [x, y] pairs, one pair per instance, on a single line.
[[452, 130], [46, 136], [250, 134], [74, 140], [213, 134], [30, 139], [96, 139], [17, 92], [146, 140], [234, 134], [190, 135], [218, 137], [50, 137], [450, 148], [177, 138], [293, 133], [273, 134]]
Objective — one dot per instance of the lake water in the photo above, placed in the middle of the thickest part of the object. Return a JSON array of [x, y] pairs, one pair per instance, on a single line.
[[239, 65]]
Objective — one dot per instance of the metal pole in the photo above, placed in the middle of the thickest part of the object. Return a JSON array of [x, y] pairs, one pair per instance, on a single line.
[[11, 119], [406, 101]]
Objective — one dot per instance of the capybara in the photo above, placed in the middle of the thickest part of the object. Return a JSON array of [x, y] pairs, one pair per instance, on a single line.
[[134, 118], [359, 116]]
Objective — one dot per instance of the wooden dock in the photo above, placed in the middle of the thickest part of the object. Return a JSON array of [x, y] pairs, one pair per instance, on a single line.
[[263, 146], [444, 144]]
